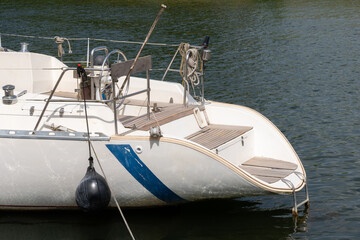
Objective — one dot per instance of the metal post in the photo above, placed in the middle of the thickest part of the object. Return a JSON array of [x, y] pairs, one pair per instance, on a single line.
[[88, 53], [114, 107], [148, 94], [295, 210], [202, 83]]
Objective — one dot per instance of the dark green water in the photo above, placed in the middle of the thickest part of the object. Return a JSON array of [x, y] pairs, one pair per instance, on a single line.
[[297, 62]]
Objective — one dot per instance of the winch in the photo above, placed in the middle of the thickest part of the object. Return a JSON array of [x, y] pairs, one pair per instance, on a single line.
[[9, 97]]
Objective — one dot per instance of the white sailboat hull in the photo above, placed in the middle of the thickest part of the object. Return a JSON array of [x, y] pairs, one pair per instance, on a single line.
[[202, 150], [45, 173]]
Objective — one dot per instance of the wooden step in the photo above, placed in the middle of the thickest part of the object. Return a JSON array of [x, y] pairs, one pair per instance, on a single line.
[[268, 169], [213, 136], [269, 163]]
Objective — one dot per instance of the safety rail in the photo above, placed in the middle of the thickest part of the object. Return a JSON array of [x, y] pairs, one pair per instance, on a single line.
[[90, 60], [204, 54], [114, 100], [101, 48]]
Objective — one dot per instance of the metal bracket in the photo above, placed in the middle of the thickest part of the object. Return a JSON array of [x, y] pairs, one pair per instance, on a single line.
[[155, 132], [61, 112], [32, 110]]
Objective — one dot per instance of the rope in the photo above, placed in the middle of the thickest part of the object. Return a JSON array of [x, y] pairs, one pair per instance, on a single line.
[[112, 193], [59, 41], [192, 65], [25, 36], [156, 119], [81, 73], [183, 48]]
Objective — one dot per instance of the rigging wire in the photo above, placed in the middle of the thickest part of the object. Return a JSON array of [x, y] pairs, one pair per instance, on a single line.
[[92, 39]]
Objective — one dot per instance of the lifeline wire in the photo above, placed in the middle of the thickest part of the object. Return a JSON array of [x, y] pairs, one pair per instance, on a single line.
[[92, 39]]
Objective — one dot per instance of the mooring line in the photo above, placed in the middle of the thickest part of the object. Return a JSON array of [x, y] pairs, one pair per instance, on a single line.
[[112, 193]]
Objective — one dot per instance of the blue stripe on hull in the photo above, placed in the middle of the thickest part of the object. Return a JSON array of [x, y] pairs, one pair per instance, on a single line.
[[130, 160]]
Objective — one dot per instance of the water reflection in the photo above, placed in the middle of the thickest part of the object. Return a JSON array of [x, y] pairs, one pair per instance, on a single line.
[[216, 219]]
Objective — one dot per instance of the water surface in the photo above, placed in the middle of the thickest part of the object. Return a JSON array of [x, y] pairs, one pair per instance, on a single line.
[[295, 61]]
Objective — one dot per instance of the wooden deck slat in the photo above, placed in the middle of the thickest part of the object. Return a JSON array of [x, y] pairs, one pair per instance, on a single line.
[[125, 118], [270, 163], [268, 179], [214, 136], [168, 114], [269, 170], [213, 139]]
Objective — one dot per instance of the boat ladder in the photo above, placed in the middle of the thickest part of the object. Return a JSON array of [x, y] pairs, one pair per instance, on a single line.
[[291, 185]]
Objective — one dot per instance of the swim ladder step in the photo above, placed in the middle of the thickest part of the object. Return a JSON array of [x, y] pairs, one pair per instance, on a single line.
[[269, 170]]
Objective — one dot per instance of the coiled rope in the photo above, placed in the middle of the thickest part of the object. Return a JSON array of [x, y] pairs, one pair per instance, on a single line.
[[59, 41], [191, 68], [183, 48]]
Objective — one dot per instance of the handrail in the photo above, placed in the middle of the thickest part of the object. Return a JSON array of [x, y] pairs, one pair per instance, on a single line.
[[90, 101], [95, 50], [291, 185], [51, 95], [48, 100]]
